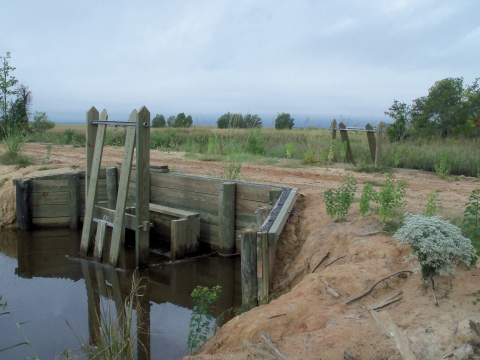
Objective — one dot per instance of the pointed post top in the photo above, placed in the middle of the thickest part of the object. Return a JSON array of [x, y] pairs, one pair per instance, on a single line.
[[133, 116], [104, 115], [92, 113]]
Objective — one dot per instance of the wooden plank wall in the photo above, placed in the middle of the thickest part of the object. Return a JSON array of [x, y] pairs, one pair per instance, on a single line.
[[201, 195], [50, 198]]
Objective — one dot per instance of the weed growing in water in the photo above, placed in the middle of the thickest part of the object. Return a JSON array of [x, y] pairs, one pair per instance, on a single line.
[[201, 319], [338, 201]]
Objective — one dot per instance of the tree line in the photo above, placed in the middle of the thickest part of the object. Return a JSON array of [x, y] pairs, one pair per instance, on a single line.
[[15, 105], [450, 108]]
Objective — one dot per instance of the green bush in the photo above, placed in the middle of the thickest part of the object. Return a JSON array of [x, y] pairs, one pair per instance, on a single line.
[[431, 207], [437, 245], [41, 123], [471, 222], [338, 201]]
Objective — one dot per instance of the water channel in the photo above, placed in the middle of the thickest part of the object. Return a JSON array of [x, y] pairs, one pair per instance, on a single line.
[[56, 294]]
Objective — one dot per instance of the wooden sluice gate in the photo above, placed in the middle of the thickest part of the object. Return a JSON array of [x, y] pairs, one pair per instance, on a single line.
[[188, 212]]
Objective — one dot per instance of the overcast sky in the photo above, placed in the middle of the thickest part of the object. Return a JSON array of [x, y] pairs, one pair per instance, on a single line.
[[347, 59]]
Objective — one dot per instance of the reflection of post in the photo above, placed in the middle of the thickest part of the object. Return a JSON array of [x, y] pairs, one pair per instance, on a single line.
[[93, 301], [143, 323], [119, 300], [226, 279]]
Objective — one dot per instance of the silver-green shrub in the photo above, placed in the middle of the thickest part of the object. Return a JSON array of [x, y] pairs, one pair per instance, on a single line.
[[437, 245]]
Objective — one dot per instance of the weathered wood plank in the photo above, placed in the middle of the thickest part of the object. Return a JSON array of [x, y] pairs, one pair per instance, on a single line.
[[172, 212], [192, 199], [186, 182], [143, 186], [333, 132], [378, 149], [100, 240], [282, 217], [178, 244], [249, 269], [73, 184], [49, 198], [92, 182], [122, 191], [90, 136], [22, 197], [112, 187], [49, 211], [49, 185], [226, 217], [128, 219], [262, 266], [52, 222]]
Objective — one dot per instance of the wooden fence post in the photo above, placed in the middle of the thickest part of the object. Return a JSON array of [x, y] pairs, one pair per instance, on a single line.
[[112, 187], [249, 269], [226, 218], [143, 187], [179, 238], [333, 132], [372, 144], [90, 136], [262, 266], [22, 197], [344, 135], [73, 183], [378, 150]]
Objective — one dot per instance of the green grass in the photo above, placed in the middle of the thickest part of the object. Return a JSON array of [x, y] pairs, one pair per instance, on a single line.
[[19, 159], [308, 146]]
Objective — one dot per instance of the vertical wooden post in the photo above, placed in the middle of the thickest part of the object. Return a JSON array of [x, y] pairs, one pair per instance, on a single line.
[[262, 214], [73, 183], [100, 240], [22, 197], [90, 135], [344, 135], [378, 151], [262, 266], [193, 235], [226, 218], [372, 144], [273, 196], [249, 269], [122, 191], [333, 132], [178, 241], [91, 194], [142, 235], [112, 187]]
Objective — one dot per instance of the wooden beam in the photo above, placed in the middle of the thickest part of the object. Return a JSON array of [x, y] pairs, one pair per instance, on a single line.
[[282, 217], [118, 223], [73, 183], [372, 143], [226, 218], [249, 269], [91, 195], [112, 187], [143, 187], [100, 240], [344, 135], [378, 150], [90, 136], [263, 278], [22, 196]]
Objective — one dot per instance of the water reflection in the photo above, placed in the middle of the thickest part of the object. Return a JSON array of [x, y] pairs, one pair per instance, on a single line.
[[162, 306]]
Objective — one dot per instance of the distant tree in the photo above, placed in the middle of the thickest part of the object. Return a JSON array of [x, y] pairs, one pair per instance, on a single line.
[[252, 121], [180, 120], [171, 121], [223, 121], [158, 121], [26, 96], [401, 114], [230, 120], [7, 84], [284, 121], [41, 123], [17, 114]]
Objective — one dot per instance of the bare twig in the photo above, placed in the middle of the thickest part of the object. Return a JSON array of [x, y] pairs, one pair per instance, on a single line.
[[274, 316], [370, 233], [256, 350], [321, 261], [378, 282], [293, 276], [347, 355], [388, 301], [335, 260], [331, 291], [268, 342]]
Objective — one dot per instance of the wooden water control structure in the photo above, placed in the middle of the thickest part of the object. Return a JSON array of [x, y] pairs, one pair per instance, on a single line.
[[188, 212]]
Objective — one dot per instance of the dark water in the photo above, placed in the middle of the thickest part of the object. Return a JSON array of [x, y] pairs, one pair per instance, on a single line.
[[46, 285]]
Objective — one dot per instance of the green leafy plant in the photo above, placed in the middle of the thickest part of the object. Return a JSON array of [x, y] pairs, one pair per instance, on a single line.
[[437, 245], [338, 201], [471, 222], [331, 152], [13, 139], [431, 207], [390, 198], [201, 321], [443, 169], [289, 150]]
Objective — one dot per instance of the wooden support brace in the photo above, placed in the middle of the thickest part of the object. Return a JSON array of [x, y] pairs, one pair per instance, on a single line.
[[226, 218], [344, 135], [112, 187], [249, 269], [178, 243]]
